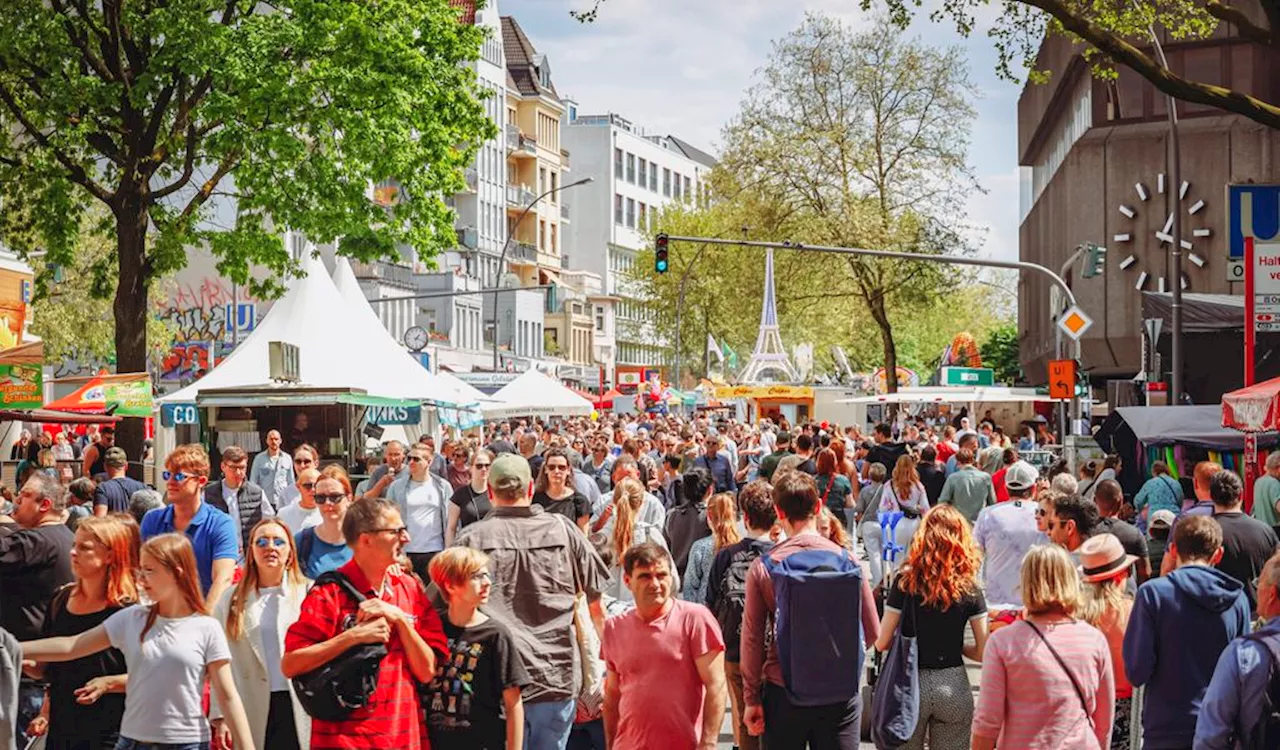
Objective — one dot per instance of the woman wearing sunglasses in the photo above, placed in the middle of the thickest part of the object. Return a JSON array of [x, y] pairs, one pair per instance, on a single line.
[[304, 513], [256, 614], [323, 548], [470, 502], [304, 457]]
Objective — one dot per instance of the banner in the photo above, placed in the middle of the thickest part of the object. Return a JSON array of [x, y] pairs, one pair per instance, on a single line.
[[763, 391], [21, 386], [131, 398]]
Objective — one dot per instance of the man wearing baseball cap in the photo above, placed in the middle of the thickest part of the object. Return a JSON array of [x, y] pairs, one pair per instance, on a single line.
[[531, 550], [112, 494], [1005, 532]]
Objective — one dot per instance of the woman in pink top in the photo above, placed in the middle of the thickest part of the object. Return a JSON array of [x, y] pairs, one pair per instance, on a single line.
[[1047, 681], [1106, 605]]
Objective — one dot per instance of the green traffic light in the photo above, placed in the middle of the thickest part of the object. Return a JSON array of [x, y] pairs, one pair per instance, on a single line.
[[662, 266]]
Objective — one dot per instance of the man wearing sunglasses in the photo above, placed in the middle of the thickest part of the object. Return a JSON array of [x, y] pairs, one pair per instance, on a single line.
[[423, 499], [236, 496], [212, 533]]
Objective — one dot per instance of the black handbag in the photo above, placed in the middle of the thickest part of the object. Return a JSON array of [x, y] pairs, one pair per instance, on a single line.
[[333, 690]]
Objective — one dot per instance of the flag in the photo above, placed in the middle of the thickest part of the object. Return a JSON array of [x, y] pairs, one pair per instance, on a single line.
[[714, 348], [730, 357]]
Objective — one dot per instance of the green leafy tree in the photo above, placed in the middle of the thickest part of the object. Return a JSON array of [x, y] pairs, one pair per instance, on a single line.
[[862, 138], [1117, 34], [1000, 352], [288, 112]]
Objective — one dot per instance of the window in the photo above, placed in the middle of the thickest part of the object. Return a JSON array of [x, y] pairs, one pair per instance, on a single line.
[[617, 208], [644, 170], [542, 179], [675, 192], [631, 168], [643, 224], [542, 234], [599, 318], [553, 238], [631, 213], [666, 182], [688, 189], [555, 180], [617, 162], [653, 177]]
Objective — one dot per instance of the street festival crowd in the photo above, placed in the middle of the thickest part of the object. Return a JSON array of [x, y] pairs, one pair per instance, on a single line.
[[616, 581]]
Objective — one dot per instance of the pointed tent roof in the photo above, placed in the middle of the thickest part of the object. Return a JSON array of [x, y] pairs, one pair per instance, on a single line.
[[535, 393], [339, 349]]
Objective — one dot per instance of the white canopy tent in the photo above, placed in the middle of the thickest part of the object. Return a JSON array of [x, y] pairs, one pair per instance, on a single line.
[[341, 350], [951, 395], [535, 393]]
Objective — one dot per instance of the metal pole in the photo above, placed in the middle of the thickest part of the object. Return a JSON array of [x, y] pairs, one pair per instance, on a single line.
[[235, 314], [684, 279], [1175, 257], [502, 259]]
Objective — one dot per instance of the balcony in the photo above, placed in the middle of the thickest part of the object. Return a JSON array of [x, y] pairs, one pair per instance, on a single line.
[[520, 145], [472, 177], [390, 273], [468, 238], [519, 196], [522, 252]]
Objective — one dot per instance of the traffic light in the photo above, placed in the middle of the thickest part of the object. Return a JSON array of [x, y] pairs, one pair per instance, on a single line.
[[1094, 262], [660, 261]]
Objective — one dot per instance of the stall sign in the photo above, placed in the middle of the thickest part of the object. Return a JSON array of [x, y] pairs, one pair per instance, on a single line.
[[131, 398], [176, 414], [382, 415], [21, 386], [724, 392]]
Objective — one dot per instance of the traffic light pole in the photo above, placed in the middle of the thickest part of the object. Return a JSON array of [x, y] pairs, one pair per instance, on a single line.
[[1017, 265]]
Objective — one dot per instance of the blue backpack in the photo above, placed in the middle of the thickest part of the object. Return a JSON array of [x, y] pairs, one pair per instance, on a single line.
[[818, 625]]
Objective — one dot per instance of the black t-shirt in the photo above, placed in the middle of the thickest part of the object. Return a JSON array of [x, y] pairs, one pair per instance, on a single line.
[[472, 505], [34, 564], [72, 725], [887, 454], [933, 478], [571, 507], [939, 633], [1133, 541], [808, 467], [1246, 545], [464, 701]]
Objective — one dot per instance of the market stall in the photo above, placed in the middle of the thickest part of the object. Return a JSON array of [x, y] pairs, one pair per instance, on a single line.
[[1254, 410], [335, 369], [1180, 436], [779, 401], [1006, 407], [535, 394]]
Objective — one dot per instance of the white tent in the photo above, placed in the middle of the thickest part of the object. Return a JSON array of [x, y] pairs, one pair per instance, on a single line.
[[341, 351], [951, 395], [534, 393]]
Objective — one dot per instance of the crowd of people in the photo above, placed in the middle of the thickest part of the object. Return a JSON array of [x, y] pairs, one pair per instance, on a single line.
[[620, 583]]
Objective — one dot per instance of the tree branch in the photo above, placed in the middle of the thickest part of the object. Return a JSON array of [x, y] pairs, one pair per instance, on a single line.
[[1130, 56], [206, 189], [188, 167], [75, 172], [1247, 28]]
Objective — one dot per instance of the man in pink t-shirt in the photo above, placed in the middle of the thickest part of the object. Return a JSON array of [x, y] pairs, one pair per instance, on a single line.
[[665, 682]]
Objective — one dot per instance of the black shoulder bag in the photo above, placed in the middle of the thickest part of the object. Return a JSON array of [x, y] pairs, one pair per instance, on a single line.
[[345, 683]]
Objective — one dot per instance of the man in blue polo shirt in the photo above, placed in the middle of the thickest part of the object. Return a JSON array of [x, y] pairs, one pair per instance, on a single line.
[[212, 533]]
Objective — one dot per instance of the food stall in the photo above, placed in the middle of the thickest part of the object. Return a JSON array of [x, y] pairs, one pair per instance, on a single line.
[[777, 401], [1253, 410]]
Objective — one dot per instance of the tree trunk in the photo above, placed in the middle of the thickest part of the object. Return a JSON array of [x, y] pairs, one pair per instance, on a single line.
[[131, 309], [875, 303]]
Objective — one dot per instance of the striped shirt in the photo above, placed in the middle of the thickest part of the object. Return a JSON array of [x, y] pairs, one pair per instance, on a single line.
[[1027, 700], [393, 718]]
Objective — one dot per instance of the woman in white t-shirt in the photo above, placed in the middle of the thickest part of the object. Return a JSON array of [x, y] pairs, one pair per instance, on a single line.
[[303, 512], [170, 647]]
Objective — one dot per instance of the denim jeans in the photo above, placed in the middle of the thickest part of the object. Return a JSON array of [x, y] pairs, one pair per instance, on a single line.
[[547, 724], [127, 744]]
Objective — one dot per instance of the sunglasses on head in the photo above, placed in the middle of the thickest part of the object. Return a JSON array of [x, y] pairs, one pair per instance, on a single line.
[[270, 541], [326, 499]]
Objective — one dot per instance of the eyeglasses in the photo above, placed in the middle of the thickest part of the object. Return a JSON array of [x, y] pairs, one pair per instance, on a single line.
[[481, 466], [270, 541], [176, 476], [558, 467], [401, 531], [308, 486], [482, 576], [303, 461], [326, 499], [416, 459]]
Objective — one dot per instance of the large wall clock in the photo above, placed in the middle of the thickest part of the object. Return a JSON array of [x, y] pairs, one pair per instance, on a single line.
[[1145, 259]]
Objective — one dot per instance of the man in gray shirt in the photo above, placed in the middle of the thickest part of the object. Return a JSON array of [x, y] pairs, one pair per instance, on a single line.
[[969, 489]]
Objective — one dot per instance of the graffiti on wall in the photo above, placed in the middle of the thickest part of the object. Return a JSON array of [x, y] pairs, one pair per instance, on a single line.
[[204, 314]]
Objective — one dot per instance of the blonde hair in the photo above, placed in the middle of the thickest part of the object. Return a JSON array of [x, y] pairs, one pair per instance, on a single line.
[[628, 496], [722, 517], [190, 458], [836, 531], [1050, 581], [249, 582], [1100, 597], [455, 566]]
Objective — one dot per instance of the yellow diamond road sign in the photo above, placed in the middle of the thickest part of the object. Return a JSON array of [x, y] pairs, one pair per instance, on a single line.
[[1074, 322]]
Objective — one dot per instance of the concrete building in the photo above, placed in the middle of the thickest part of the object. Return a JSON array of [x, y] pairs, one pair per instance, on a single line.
[[1095, 158], [636, 174]]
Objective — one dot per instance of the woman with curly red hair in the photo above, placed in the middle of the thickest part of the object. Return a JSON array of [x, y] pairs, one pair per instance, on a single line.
[[934, 595]]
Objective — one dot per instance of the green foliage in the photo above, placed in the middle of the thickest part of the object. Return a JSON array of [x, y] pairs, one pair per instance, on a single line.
[[288, 112], [1000, 352]]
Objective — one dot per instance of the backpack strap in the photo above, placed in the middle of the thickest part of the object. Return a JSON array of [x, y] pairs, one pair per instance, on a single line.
[[306, 543], [344, 583]]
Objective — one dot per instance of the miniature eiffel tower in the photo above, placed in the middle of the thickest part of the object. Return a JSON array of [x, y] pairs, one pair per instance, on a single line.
[[769, 357]]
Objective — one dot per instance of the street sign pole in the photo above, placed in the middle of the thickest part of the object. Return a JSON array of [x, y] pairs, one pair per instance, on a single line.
[[1250, 314]]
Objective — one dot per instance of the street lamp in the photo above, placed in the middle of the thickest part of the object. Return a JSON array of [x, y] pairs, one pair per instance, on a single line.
[[502, 259], [1175, 177]]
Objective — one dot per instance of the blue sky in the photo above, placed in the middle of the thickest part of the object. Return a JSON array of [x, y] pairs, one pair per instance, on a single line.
[[681, 67]]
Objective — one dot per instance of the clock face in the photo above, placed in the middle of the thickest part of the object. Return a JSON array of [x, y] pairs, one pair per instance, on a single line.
[[415, 338], [1144, 259]]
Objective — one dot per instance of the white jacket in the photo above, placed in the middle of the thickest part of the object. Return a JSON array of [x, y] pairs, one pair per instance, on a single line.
[[253, 682]]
